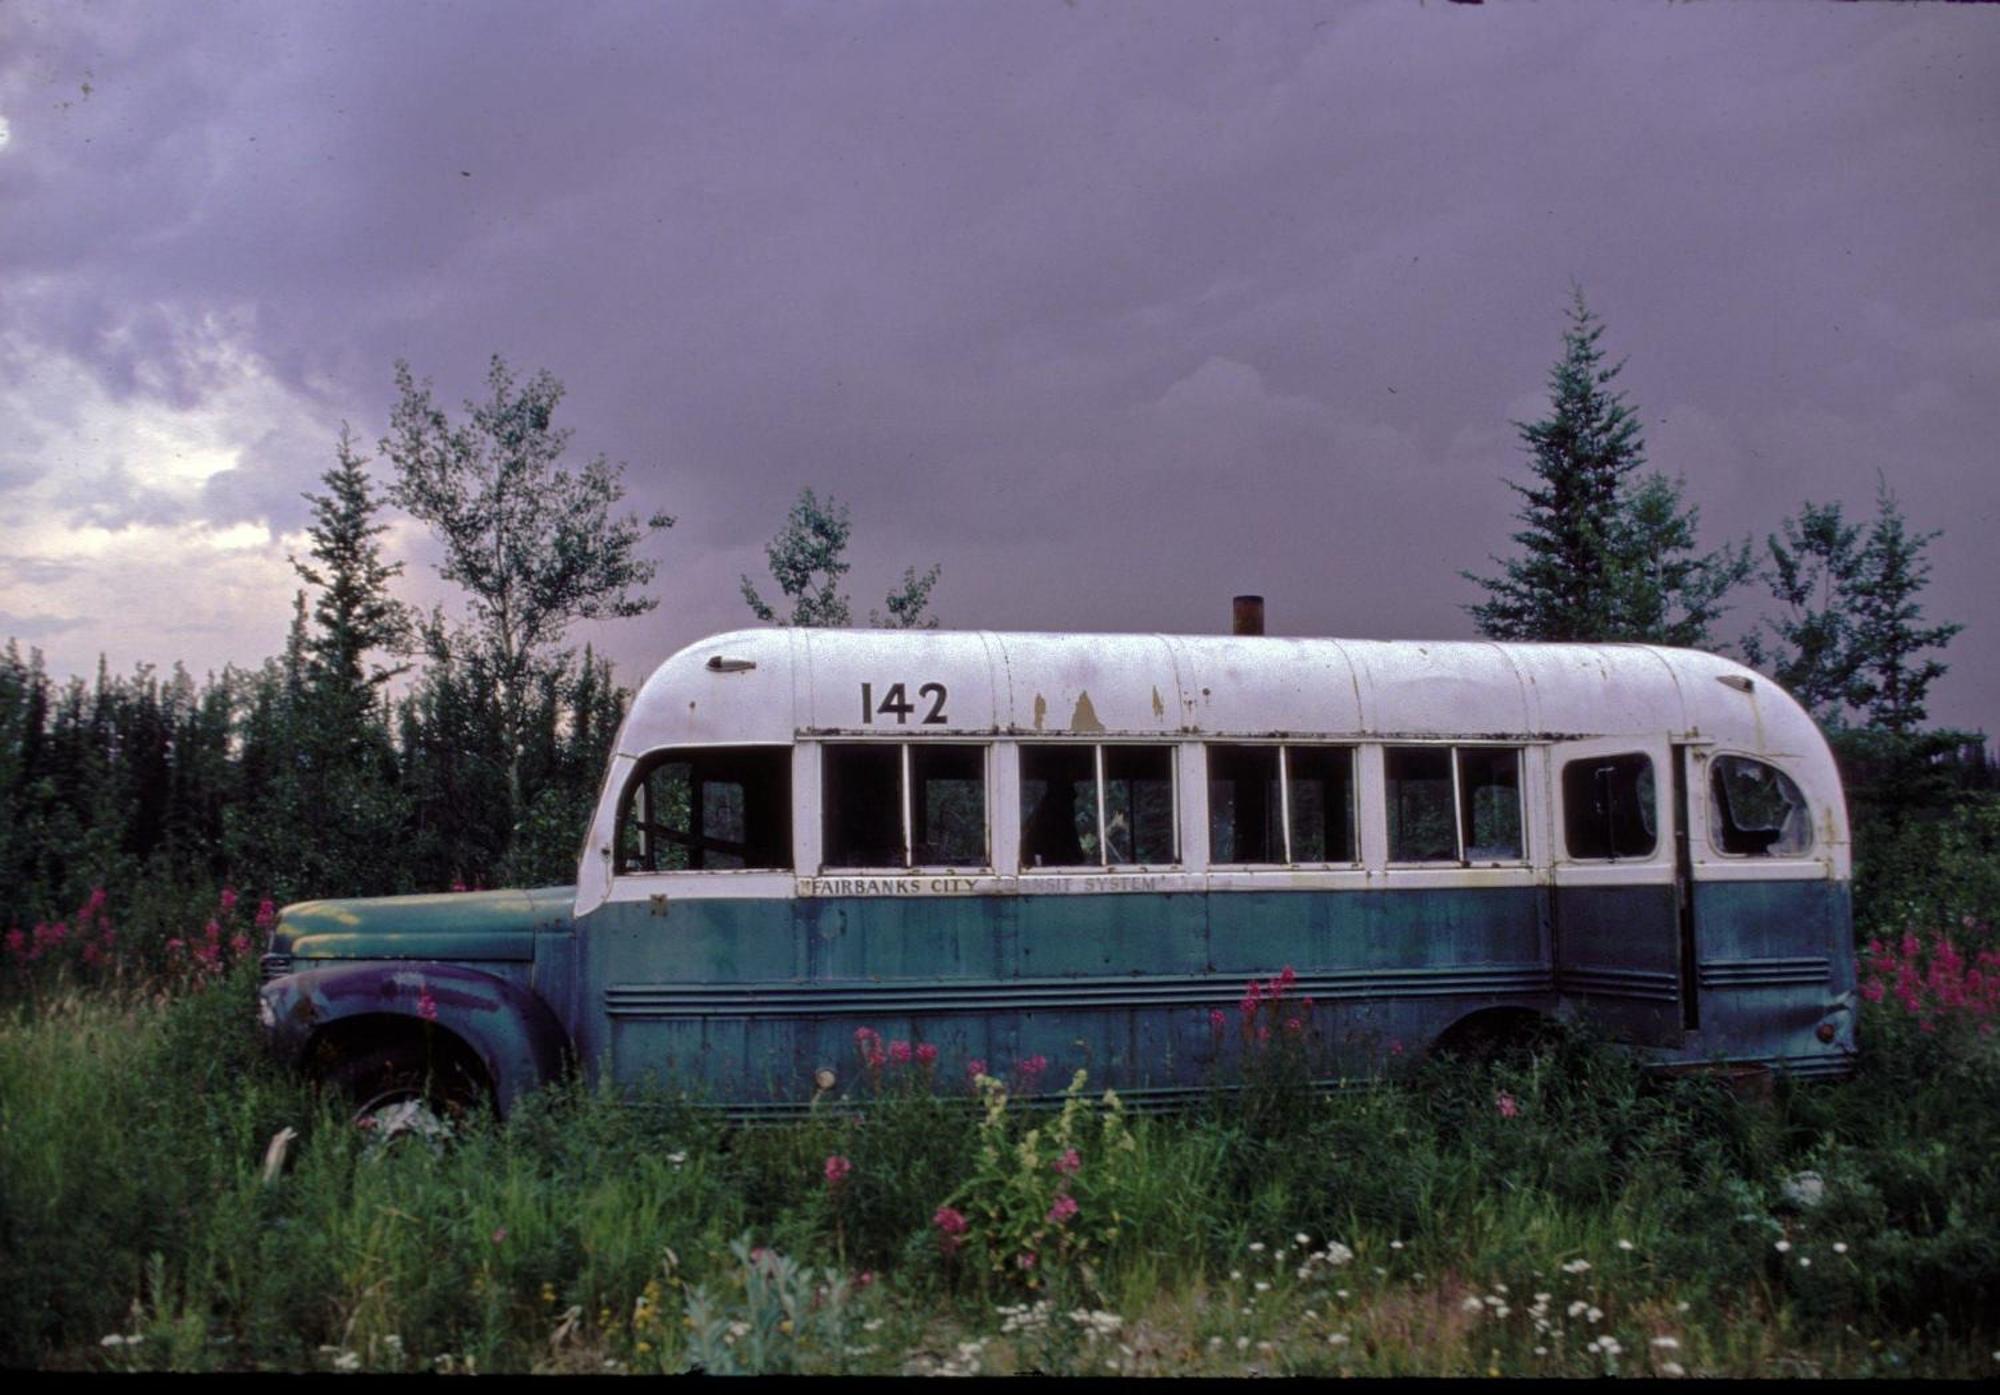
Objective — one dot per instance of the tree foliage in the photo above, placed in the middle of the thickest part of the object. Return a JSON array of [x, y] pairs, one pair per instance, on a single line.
[[808, 558], [1850, 640], [1606, 552], [534, 546]]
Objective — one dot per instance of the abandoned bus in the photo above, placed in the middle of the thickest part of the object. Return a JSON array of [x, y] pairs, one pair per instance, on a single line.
[[1082, 847]]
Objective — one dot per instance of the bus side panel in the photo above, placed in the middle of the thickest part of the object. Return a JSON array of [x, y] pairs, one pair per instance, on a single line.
[[1388, 971], [1773, 961]]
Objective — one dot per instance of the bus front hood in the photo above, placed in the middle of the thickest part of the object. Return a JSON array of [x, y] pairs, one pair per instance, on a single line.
[[459, 926]]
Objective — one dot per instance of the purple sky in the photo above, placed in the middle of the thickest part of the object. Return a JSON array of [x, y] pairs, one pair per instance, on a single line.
[[1113, 309]]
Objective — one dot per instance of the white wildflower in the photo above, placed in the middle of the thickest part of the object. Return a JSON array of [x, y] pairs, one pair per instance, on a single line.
[[1256, 1247], [1243, 1344], [1577, 1266], [1262, 1286], [1804, 1262], [1471, 1305], [1625, 1245], [1337, 1339], [1840, 1247], [1395, 1244], [1672, 1368], [1303, 1239], [1783, 1247], [1667, 1343], [112, 1339], [1541, 1351], [1594, 1314]]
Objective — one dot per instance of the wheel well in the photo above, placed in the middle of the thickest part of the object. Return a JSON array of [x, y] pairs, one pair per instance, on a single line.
[[352, 1036], [1490, 1031]]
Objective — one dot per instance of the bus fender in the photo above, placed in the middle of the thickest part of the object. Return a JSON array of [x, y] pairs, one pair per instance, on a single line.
[[515, 1036]]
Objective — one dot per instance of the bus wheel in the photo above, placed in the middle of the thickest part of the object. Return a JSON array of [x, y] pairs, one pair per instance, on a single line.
[[402, 1089], [1494, 1035]]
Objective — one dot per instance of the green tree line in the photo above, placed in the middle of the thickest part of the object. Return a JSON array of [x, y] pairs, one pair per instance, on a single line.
[[310, 774]]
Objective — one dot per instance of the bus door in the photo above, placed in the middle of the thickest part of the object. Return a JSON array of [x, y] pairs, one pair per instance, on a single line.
[[1619, 938]]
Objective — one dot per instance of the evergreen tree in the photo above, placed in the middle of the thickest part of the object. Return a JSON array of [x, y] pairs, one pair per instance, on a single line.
[[1892, 680], [1606, 552], [354, 614], [1812, 572], [535, 546]]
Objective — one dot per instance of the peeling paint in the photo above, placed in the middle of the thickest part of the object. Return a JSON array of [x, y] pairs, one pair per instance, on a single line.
[[1085, 716], [1041, 710]]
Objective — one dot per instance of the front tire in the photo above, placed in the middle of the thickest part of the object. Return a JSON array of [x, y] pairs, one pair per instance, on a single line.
[[405, 1088]]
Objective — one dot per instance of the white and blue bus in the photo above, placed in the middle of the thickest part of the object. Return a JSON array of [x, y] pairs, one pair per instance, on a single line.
[[1080, 846]]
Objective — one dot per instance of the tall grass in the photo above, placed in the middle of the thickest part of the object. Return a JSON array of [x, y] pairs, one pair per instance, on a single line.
[[585, 1233]]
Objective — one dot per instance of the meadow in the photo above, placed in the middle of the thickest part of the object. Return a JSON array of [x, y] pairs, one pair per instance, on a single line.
[[170, 1200]]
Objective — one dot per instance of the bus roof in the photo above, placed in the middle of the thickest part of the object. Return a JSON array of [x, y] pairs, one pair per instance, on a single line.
[[775, 685]]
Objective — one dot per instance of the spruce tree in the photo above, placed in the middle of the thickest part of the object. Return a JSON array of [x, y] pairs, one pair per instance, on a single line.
[[1606, 553], [1810, 646], [1892, 679]]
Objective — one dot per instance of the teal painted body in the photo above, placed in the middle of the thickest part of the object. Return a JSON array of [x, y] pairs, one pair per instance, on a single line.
[[742, 1000]]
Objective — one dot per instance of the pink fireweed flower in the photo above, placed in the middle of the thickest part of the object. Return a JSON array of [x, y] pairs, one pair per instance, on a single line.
[[975, 1068], [1030, 1071], [864, 1278], [1506, 1104], [1069, 1163], [1396, 1046], [951, 1226], [1216, 1019], [239, 945], [1264, 1033], [213, 932], [1025, 1260], [899, 1052], [228, 899], [427, 1007], [1294, 1026], [17, 943], [1286, 978], [92, 955], [175, 946], [500, 1235], [1064, 1208], [837, 1169], [267, 914], [926, 1055]]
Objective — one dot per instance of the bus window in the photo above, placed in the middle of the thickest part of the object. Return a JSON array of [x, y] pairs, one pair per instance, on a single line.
[[1609, 807], [1060, 809], [1755, 810], [948, 809], [1243, 805], [1417, 782], [1489, 791], [717, 808], [1139, 805], [1246, 789], [864, 806], [1322, 794]]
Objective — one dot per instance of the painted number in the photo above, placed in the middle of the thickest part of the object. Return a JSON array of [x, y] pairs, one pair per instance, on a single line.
[[896, 703]]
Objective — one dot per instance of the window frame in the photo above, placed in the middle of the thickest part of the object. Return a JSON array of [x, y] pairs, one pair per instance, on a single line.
[[905, 795], [1560, 786], [1526, 856], [636, 789], [1285, 748], [1714, 808], [1103, 864]]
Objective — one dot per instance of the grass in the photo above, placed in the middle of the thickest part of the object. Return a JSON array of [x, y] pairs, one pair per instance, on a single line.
[[584, 1234]]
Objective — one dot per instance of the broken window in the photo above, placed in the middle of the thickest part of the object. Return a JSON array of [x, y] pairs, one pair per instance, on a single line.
[[868, 822], [1453, 804], [1610, 807], [1280, 804], [1755, 810], [716, 808], [1097, 806]]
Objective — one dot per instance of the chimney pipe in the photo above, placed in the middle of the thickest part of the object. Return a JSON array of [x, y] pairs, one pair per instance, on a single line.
[[1247, 615]]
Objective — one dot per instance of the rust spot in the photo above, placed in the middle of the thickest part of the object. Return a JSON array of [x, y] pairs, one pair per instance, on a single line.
[[1085, 716], [1041, 710], [1159, 708]]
